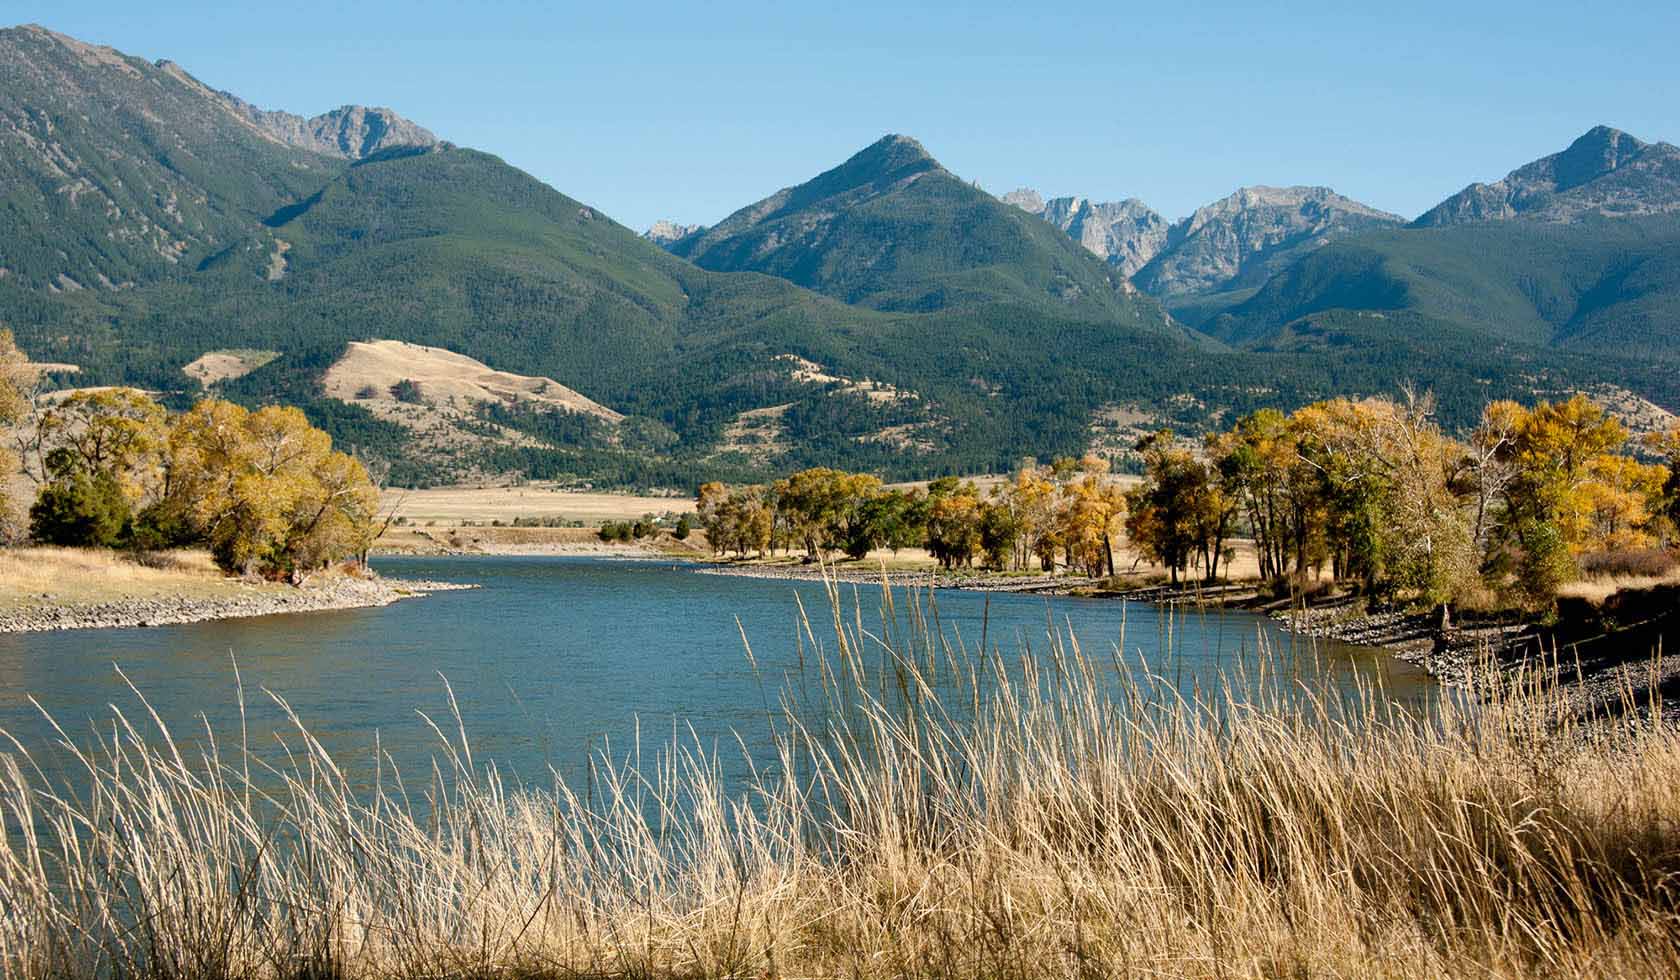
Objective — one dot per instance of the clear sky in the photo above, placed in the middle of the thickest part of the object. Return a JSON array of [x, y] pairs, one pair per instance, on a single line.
[[689, 110]]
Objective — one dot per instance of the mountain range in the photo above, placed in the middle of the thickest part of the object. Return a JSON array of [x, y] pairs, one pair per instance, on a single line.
[[885, 314], [1234, 243]]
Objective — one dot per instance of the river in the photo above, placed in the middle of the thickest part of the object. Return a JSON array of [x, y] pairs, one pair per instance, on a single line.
[[553, 659]]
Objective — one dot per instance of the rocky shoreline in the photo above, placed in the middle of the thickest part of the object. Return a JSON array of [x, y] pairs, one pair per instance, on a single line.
[[126, 613], [1452, 656]]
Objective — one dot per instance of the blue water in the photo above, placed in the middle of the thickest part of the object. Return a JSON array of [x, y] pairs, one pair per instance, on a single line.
[[553, 659]]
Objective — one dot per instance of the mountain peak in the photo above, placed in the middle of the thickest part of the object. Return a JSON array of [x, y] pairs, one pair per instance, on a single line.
[[664, 233], [1302, 196], [1598, 151], [892, 152], [1241, 240], [350, 132], [1604, 172], [1026, 199]]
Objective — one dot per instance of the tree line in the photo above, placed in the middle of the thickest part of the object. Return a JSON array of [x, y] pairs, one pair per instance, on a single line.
[[1067, 512], [262, 489], [1378, 495], [1373, 493]]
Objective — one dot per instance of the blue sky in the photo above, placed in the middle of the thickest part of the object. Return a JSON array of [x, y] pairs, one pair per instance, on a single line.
[[690, 110]]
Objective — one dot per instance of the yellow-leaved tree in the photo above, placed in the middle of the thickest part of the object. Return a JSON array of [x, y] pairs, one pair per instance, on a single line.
[[266, 490], [1570, 492], [114, 433], [1667, 445], [13, 406]]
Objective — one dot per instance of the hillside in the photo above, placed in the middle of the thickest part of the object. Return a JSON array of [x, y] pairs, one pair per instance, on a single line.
[[1610, 286], [452, 248], [116, 171], [1577, 251]]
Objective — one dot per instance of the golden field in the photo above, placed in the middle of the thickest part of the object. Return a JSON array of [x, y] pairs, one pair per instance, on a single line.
[[457, 505], [42, 576]]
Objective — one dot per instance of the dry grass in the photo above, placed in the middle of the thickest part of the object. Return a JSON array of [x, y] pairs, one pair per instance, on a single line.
[[214, 367], [1599, 588], [445, 377], [933, 814], [452, 505], [76, 576]]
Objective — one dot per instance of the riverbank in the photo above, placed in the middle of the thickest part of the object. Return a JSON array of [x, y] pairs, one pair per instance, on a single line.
[[1610, 643], [46, 589], [127, 613]]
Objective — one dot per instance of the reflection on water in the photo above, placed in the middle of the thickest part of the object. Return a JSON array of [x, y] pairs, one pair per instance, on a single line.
[[554, 658]]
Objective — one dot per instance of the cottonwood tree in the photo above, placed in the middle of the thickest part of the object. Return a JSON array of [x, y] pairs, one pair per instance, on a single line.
[[110, 433], [266, 490], [14, 406], [953, 523], [1667, 445], [1164, 521]]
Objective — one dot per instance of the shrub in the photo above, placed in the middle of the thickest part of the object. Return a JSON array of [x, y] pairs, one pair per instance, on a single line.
[[79, 509], [407, 391], [159, 527], [1628, 563]]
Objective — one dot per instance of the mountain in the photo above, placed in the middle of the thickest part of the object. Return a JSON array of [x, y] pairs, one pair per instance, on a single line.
[[1609, 286], [1605, 172], [1240, 241], [1578, 251], [157, 232], [276, 243], [1026, 199], [891, 229], [116, 171], [1127, 234], [665, 233]]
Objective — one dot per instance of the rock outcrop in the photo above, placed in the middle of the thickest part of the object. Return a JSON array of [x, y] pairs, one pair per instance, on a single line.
[[352, 132], [1128, 234], [1232, 243], [666, 233], [1242, 240]]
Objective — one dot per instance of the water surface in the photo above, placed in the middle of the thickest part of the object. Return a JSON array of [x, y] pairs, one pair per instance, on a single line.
[[555, 658]]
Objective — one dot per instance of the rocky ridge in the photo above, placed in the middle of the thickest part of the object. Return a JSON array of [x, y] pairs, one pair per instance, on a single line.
[[1236, 242], [1605, 172], [1242, 240], [352, 132]]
